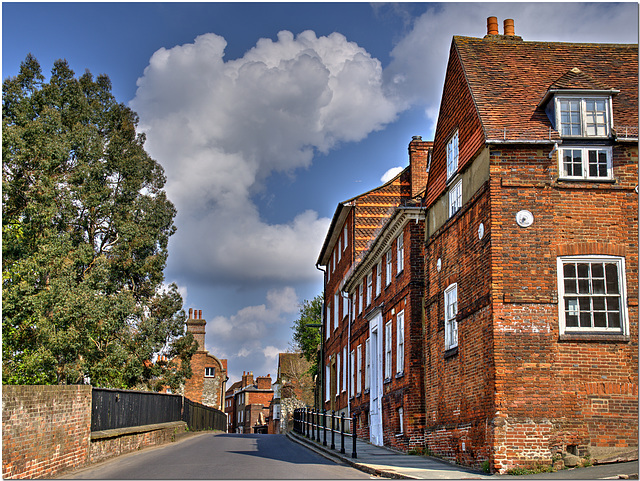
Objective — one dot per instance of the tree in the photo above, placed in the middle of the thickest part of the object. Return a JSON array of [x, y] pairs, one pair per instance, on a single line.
[[307, 334], [85, 229]]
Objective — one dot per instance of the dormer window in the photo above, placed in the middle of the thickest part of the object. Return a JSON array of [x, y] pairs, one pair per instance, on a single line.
[[583, 116]]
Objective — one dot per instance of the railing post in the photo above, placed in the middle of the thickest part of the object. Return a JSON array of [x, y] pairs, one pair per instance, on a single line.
[[333, 432], [306, 419], [313, 425], [342, 433], [324, 426], [318, 416], [353, 435]]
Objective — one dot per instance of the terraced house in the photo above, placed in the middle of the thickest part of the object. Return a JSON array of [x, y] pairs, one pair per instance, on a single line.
[[528, 338]]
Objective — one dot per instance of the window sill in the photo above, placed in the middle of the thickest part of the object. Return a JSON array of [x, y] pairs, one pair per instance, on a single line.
[[387, 380], [400, 435], [588, 337], [399, 375], [590, 180], [366, 391], [451, 352]]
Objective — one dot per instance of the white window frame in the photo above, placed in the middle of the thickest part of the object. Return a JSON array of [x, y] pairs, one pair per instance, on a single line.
[[378, 278], [346, 238], [369, 287], [339, 249], [565, 298], [400, 342], [334, 261], [450, 313], [359, 371], [336, 310], [401, 419], [352, 365], [329, 319], [367, 363], [338, 374], [360, 294], [328, 383], [345, 306], [400, 253], [389, 264], [344, 370], [455, 198], [388, 334], [585, 164], [207, 372], [584, 116], [452, 155]]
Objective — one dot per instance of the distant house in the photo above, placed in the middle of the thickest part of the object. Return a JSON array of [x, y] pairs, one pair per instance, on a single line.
[[247, 404], [293, 388], [207, 385]]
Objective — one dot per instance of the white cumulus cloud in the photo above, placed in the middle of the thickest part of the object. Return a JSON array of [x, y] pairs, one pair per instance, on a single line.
[[220, 128], [390, 174]]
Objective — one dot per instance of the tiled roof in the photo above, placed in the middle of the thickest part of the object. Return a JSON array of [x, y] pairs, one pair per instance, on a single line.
[[509, 78]]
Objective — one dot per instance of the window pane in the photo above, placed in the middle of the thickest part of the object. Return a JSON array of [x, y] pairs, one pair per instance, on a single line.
[[585, 319], [599, 319], [572, 163], [612, 278], [570, 286], [571, 309], [597, 163], [597, 270], [614, 319], [569, 270], [598, 286], [602, 164], [598, 304], [613, 303], [583, 270], [583, 286]]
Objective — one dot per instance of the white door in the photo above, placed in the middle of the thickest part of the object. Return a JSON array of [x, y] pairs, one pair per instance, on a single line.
[[375, 389]]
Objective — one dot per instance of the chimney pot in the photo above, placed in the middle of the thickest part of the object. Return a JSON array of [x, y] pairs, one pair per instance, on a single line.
[[200, 314], [417, 137], [509, 28], [492, 26], [190, 312]]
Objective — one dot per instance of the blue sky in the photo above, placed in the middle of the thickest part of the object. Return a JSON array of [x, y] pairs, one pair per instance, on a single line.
[[266, 115]]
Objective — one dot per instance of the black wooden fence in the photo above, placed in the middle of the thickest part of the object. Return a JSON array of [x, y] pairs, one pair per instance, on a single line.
[[118, 408]]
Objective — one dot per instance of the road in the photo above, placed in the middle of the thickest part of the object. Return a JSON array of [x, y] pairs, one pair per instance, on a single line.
[[222, 456]]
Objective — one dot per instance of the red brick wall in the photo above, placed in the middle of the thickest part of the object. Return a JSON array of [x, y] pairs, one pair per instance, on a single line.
[[194, 387], [459, 384], [45, 430], [555, 393], [404, 293]]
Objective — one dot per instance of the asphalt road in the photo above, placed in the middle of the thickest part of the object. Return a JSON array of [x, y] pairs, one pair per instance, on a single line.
[[222, 456]]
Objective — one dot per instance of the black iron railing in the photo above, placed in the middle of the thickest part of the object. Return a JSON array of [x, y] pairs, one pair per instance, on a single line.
[[318, 425]]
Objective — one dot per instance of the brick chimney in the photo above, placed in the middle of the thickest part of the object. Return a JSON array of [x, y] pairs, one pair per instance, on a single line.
[[247, 378], [196, 326], [419, 151], [264, 382]]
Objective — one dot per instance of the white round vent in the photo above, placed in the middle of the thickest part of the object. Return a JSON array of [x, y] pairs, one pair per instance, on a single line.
[[439, 265], [524, 218], [481, 231]]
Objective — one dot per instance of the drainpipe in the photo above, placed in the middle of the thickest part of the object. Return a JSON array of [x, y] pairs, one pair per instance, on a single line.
[[554, 150], [322, 330]]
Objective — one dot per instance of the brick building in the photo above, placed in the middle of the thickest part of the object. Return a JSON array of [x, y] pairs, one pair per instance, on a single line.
[[247, 404], [356, 224], [207, 385], [292, 389], [531, 253]]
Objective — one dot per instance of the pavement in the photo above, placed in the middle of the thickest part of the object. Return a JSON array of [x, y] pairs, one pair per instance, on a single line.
[[387, 463]]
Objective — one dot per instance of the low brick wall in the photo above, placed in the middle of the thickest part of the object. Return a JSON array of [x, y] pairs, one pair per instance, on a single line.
[[45, 430], [114, 442]]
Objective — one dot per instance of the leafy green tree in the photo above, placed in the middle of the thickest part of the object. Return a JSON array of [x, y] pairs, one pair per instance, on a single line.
[[307, 333], [85, 228]]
